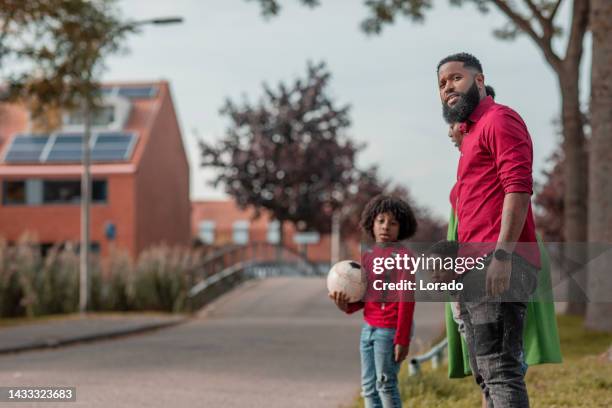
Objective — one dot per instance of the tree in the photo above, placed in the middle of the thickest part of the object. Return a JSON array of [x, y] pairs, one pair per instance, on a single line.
[[288, 154], [536, 19], [600, 165], [549, 200], [369, 185], [51, 51]]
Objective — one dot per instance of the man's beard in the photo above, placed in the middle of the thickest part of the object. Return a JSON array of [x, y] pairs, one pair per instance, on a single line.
[[463, 108]]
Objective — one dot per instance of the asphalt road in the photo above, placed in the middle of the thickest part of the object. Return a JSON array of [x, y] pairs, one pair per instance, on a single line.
[[278, 342]]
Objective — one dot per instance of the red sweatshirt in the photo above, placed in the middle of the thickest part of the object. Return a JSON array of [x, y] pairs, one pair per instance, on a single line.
[[397, 313]]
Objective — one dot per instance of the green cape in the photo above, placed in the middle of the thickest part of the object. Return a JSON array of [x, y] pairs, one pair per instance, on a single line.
[[541, 338]]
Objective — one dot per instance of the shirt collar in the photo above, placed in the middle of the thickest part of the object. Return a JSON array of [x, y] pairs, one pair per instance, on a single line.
[[480, 110]]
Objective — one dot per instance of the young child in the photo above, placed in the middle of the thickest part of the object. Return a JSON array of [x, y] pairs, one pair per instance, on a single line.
[[388, 318]]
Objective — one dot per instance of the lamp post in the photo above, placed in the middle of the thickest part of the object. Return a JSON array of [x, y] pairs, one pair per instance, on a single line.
[[336, 223], [335, 237], [86, 176]]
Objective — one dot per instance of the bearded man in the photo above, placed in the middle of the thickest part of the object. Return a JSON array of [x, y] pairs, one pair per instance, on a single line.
[[492, 200]]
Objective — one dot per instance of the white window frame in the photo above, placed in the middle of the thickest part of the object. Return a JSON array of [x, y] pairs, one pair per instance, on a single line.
[[240, 232], [206, 231], [121, 106], [273, 233]]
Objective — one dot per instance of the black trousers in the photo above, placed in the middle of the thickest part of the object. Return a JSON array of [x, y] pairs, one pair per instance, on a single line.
[[494, 334]]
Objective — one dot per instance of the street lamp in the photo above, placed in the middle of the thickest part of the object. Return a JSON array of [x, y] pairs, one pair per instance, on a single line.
[[86, 177]]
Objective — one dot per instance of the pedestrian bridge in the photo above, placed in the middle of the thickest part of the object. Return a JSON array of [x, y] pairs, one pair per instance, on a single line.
[[223, 269]]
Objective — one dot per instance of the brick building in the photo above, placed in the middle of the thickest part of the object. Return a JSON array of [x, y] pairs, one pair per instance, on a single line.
[[222, 222], [140, 173]]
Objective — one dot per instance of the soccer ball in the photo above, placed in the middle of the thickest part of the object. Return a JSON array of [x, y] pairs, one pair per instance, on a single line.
[[349, 278]]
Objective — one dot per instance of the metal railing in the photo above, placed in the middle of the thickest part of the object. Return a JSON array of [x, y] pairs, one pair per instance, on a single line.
[[435, 354], [223, 269]]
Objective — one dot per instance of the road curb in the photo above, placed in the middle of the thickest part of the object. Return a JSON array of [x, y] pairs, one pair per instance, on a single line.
[[106, 335]]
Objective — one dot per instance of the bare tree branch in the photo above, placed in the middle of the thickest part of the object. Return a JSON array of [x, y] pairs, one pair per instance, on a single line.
[[524, 24], [580, 22], [553, 13], [537, 14], [548, 28]]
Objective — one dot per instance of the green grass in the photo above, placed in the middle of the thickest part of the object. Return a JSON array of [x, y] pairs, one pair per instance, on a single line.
[[583, 380], [18, 321]]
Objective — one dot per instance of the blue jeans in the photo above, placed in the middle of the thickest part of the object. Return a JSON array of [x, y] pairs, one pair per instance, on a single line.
[[378, 368]]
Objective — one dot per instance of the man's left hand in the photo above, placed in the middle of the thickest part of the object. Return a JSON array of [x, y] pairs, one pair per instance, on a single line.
[[498, 277]]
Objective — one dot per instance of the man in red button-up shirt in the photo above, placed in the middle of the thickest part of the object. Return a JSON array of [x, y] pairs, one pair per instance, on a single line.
[[493, 205]]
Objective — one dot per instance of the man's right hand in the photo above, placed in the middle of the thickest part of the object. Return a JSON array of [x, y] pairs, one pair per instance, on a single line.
[[340, 299]]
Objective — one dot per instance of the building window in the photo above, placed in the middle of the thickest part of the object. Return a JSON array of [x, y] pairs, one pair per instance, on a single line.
[[14, 192], [273, 234], [69, 191], [102, 116], [37, 192], [206, 232], [240, 232], [22, 192], [56, 192], [99, 191]]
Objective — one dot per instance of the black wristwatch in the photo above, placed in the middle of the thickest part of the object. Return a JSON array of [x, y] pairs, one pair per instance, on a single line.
[[502, 255]]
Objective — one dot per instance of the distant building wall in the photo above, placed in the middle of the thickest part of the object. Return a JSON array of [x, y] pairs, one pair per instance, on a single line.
[[223, 216], [162, 182]]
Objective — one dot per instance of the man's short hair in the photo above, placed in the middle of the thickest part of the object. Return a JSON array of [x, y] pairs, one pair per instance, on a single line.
[[469, 61]]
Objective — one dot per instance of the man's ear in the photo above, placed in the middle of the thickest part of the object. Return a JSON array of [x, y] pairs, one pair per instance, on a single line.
[[479, 78]]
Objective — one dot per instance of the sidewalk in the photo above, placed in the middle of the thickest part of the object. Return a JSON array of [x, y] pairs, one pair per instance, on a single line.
[[77, 328]]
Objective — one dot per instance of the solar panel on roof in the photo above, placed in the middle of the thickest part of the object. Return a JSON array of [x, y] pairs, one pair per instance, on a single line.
[[29, 139], [67, 147], [64, 156], [26, 148], [113, 137], [113, 146], [138, 92], [69, 139], [108, 155]]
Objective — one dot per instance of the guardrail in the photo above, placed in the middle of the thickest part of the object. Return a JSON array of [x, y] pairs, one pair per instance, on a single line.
[[435, 354], [221, 270]]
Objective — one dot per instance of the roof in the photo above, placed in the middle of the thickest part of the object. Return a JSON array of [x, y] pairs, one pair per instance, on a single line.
[[144, 106]]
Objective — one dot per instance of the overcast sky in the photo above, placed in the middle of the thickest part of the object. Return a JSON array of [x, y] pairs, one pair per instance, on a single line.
[[226, 49]]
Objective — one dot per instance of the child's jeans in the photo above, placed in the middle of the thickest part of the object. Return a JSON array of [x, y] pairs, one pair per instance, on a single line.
[[378, 368]]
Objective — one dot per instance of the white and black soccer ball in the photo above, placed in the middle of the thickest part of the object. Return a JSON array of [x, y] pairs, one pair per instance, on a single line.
[[347, 277]]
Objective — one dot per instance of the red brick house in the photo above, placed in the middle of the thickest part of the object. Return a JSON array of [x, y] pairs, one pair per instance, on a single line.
[[139, 169]]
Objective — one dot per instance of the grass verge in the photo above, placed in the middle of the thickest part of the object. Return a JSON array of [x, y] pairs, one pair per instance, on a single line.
[[18, 321], [583, 380]]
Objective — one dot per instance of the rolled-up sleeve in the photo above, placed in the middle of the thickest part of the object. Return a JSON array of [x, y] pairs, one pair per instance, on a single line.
[[509, 142]]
